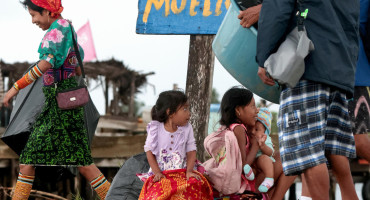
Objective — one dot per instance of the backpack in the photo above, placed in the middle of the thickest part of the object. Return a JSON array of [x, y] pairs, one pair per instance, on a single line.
[[225, 167]]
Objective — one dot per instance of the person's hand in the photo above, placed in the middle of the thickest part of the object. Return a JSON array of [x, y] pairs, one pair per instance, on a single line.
[[249, 16], [9, 95], [192, 174], [261, 140], [265, 79], [158, 176]]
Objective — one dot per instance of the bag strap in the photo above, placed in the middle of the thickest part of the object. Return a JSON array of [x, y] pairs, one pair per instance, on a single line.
[[232, 126], [80, 63], [77, 53]]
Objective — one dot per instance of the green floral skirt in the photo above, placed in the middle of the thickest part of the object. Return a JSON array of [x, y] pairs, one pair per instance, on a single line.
[[59, 136]]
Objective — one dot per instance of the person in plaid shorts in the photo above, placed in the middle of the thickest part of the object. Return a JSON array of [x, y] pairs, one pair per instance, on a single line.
[[358, 107], [314, 122]]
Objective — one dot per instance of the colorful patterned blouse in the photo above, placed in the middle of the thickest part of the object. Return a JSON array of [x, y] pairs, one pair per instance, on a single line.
[[57, 48]]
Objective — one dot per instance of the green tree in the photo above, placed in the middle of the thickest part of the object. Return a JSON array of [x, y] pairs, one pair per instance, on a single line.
[[215, 96], [138, 105], [274, 128]]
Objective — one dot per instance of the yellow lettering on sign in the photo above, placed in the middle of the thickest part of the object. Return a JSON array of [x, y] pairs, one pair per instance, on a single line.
[[157, 4], [193, 4], [227, 4], [207, 7], [174, 6], [218, 8]]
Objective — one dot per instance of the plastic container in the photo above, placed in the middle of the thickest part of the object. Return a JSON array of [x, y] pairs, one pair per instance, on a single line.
[[235, 47]]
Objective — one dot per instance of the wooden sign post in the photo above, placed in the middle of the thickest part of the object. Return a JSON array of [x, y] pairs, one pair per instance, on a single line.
[[200, 19], [199, 86]]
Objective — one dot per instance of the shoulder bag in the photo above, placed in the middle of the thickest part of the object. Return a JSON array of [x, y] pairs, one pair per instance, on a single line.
[[73, 97]]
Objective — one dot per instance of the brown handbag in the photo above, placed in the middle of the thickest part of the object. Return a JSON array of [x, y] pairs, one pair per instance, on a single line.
[[73, 97]]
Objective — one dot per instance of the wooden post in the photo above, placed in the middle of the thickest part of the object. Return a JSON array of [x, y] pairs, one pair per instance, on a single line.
[[13, 173], [106, 95], [199, 86], [333, 185], [114, 105], [292, 191], [131, 110], [2, 93], [1, 86]]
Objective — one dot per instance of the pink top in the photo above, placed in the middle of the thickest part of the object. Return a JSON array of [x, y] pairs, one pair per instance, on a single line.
[[181, 141]]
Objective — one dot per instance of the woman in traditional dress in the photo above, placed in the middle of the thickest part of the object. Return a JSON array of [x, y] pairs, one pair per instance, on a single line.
[[59, 137]]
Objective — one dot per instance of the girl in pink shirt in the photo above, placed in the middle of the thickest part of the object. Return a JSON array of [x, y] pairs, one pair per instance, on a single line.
[[171, 152]]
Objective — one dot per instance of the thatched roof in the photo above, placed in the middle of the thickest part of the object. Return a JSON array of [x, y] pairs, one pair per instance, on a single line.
[[13, 71], [111, 69], [116, 75]]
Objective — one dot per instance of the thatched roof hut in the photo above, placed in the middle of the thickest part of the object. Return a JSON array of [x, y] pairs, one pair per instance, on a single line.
[[114, 74]]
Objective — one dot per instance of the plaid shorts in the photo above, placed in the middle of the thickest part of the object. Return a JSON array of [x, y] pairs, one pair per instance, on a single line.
[[358, 109], [313, 121]]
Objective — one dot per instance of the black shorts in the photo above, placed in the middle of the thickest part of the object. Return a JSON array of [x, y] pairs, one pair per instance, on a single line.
[[359, 110]]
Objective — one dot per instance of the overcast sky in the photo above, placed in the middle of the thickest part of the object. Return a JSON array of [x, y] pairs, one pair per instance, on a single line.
[[113, 24]]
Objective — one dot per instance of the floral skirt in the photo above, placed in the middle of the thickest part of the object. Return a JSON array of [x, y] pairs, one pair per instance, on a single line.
[[170, 161], [175, 186], [59, 136]]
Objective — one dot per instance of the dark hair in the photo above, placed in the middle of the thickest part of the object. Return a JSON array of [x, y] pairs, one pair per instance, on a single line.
[[171, 100], [234, 97], [32, 6]]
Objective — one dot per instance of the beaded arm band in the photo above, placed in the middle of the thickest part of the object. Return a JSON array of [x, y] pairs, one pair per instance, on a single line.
[[28, 78]]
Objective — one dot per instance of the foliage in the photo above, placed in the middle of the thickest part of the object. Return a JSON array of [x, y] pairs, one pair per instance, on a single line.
[[138, 105], [215, 96], [274, 128], [78, 197]]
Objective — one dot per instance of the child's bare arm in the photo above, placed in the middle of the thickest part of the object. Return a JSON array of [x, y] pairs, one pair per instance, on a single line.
[[154, 165], [253, 151], [190, 160], [153, 162], [242, 142]]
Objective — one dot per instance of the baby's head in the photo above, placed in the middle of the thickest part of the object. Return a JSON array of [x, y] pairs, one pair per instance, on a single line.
[[264, 118], [172, 104]]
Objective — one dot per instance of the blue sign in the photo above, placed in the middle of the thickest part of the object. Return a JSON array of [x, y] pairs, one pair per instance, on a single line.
[[180, 16]]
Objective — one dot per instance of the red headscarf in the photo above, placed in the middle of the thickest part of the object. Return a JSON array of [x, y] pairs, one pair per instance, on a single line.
[[54, 6]]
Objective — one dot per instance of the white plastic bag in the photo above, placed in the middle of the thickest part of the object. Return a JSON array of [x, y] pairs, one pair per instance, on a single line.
[[287, 66]]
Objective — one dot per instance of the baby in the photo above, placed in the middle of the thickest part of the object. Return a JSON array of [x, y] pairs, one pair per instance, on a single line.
[[264, 157]]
